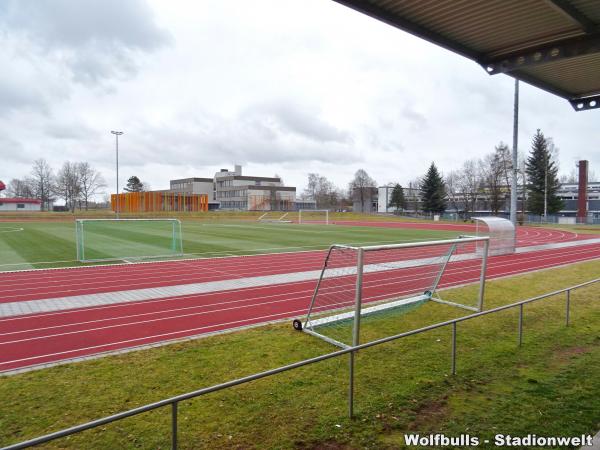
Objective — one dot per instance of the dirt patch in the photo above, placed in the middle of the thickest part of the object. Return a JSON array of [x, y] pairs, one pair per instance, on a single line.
[[326, 445], [566, 354], [428, 415]]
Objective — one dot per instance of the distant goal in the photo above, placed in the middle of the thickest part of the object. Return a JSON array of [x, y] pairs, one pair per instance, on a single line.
[[368, 281], [127, 239], [275, 217], [313, 216]]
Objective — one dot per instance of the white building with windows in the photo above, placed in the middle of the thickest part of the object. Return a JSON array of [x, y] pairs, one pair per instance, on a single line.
[[232, 190], [20, 204]]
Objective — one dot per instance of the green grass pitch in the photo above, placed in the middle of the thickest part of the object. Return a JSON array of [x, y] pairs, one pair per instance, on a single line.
[[26, 245]]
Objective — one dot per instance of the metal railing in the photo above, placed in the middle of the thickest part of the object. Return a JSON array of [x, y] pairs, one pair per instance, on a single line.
[[174, 401]]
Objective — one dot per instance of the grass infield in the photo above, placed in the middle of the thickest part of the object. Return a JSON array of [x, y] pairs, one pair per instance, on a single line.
[[34, 244], [549, 386]]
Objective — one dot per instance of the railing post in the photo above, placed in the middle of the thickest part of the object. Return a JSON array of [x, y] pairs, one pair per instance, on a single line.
[[568, 307], [520, 324], [486, 250], [356, 329], [351, 386], [174, 426], [453, 348]]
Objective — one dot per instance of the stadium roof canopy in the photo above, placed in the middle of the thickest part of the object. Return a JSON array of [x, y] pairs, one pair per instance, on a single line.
[[551, 44]]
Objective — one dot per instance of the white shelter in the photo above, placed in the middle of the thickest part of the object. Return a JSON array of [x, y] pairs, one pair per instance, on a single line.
[[502, 234]]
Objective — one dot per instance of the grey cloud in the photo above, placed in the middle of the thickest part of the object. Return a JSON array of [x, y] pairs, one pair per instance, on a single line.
[[14, 96], [254, 136], [297, 118], [70, 131], [94, 39]]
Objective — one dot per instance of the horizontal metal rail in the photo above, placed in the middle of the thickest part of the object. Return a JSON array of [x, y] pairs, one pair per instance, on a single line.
[[173, 401], [368, 248]]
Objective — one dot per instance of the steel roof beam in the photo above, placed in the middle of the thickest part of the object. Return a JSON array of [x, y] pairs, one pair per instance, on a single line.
[[383, 15], [574, 14], [567, 48]]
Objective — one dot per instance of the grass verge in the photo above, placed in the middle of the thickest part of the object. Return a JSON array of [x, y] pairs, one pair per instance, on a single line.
[[548, 386]]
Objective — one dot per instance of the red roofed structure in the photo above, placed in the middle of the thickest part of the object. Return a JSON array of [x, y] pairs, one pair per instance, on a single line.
[[20, 204]]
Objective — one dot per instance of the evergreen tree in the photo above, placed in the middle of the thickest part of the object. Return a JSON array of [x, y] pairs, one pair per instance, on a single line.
[[542, 173], [134, 185], [433, 191], [398, 200]]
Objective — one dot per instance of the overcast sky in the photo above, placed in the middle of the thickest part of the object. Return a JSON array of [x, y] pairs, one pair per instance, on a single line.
[[279, 86]]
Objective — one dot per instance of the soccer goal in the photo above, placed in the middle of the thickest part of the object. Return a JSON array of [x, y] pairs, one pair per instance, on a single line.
[[313, 216], [275, 217], [127, 239], [360, 282]]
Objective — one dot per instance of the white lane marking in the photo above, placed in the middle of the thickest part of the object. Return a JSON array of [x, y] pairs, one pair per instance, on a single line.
[[10, 229]]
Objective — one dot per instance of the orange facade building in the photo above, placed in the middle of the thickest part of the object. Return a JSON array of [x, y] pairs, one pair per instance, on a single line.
[[156, 201]]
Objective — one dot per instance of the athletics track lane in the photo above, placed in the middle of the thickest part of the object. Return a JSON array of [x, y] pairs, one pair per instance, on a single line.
[[50, 337]]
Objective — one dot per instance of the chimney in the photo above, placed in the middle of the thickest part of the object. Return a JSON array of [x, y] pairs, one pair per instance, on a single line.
[[582, 191]]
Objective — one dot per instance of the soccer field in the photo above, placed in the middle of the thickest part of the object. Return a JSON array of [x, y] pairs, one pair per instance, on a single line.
[[26, 245]]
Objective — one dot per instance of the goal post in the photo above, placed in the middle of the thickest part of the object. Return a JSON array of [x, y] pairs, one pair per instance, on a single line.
[[127, 239], [367, 281], [313, 216]]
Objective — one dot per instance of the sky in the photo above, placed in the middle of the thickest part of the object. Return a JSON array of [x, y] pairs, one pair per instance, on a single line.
[[282, 87]]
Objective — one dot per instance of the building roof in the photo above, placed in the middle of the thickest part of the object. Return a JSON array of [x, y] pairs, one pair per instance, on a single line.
[[194, 179], [551, 44], [20, 200]]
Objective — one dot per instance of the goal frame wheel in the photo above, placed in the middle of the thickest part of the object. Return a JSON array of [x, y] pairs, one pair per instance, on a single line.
[[297, 324]]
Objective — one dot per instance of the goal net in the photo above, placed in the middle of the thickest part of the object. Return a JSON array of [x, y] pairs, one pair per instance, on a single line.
[[127, 239], [314, 216], [360, 282]]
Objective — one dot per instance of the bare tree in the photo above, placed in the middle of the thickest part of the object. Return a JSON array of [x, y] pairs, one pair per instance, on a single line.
[[90, 181], [322, 191], [495, 182], [43, 179], [20, 188], [68, 184], [360, 186], [452, 189], [469, 183]]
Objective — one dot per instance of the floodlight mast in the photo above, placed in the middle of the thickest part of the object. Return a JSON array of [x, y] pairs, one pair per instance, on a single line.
[[117, 134]]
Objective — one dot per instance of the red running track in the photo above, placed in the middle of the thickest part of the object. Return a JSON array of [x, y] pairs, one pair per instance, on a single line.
[[41, 284], [50, 337]]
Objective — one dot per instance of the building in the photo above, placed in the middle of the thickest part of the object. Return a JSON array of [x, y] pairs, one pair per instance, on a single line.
[[569, 193], [20, 204], [384, 196], [232, 190], [365, 200]]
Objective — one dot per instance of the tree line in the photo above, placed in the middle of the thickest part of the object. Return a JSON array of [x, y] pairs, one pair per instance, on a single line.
[[482, 182], [328, 196], [75, 182]]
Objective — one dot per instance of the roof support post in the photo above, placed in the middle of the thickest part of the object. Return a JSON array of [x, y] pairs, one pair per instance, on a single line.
[[515, 159]]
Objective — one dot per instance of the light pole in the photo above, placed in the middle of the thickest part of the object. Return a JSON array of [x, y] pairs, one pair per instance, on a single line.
[[117, 134]]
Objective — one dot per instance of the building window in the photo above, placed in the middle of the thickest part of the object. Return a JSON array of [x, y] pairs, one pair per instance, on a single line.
[[20, 205]]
